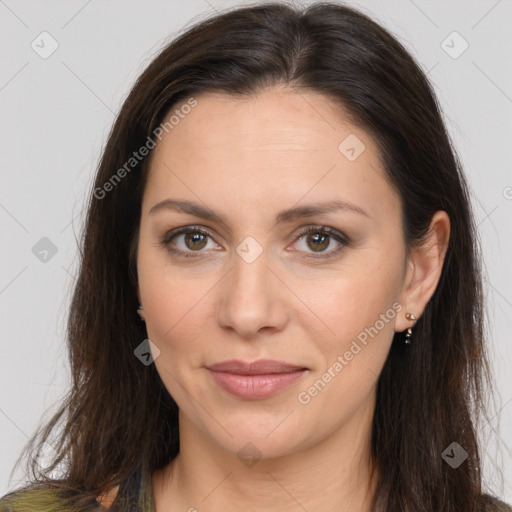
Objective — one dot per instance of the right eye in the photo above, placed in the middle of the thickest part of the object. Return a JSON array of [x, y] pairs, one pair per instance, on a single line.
[[188, 239]]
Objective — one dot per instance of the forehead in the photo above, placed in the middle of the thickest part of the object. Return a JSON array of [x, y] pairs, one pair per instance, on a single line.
[[277, 146], [273, 120]]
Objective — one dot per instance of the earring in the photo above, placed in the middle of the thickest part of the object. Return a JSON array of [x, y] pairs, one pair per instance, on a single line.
[[411, 318], [141, 314]]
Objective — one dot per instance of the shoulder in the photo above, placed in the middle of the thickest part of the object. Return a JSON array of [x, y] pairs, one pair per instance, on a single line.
[[36, 498], [108, 498]]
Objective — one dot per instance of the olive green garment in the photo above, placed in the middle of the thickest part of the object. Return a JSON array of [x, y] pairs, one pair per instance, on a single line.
[[134, 496]]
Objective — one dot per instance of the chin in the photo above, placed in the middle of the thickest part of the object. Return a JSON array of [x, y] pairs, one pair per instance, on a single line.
[[266, 442]]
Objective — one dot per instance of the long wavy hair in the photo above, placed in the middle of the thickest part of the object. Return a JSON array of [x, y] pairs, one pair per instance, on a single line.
[[118, 414]]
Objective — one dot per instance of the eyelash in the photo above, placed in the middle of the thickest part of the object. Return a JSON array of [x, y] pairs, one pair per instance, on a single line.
[[323, 230]]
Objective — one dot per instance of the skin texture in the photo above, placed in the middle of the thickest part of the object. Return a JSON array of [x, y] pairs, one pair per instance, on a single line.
[[248, 159]]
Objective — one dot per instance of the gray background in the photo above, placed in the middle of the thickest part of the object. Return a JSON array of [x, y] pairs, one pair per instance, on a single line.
[[57, 111]]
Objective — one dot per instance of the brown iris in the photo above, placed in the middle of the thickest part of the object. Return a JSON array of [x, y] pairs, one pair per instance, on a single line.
[[197, 241], [320, 241]]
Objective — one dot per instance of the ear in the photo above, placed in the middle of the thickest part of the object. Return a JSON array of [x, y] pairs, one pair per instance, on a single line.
[[424, 267]]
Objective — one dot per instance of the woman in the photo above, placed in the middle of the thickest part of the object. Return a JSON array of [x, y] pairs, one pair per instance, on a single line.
[[279, 300]]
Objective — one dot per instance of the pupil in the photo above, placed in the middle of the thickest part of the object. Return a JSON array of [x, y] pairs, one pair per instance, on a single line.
[[196, 238], [319, 241]]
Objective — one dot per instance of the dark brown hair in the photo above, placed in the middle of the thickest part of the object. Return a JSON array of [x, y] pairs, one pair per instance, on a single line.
[[118, 414]]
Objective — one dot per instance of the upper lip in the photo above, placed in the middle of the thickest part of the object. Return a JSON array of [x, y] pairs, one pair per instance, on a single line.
[[261, 367]]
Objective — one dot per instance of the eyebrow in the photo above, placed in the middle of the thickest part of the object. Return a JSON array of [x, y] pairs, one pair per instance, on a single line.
[[291, 214]]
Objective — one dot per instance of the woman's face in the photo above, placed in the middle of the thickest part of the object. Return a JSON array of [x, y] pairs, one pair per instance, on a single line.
[[255, 286]]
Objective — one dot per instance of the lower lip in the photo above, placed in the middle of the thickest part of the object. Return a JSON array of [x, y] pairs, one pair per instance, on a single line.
[[255, 387]]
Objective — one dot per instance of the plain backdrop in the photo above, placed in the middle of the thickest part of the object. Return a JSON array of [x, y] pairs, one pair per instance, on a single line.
[[56, 111]]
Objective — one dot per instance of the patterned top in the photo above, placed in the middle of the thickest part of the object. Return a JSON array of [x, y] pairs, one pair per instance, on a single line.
[[134, 495]]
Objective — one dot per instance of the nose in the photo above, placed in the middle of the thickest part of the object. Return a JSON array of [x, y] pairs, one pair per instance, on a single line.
[[252, 298]]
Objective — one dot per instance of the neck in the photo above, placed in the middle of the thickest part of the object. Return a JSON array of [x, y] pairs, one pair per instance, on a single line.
[[335, 474]]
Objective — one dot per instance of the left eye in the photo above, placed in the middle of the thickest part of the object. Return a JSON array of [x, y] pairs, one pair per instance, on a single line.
[[318, 239]]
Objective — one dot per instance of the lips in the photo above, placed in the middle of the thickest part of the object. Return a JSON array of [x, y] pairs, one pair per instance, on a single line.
[[262, 367], [256, 380]]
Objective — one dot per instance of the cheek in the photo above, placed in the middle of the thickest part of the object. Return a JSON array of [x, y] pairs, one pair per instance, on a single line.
[[180, 320], [171, 302], [176, 311], [355, 298], [176, 325], [360, 306], [361, 310]]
